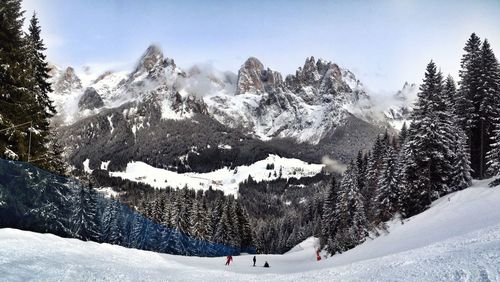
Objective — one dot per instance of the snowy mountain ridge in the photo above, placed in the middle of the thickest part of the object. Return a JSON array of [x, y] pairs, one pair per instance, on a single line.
[[305, 106]]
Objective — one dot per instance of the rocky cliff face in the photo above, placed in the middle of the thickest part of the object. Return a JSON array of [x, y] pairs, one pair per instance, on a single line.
[[90, 100], [65, 81], [254, 78], [305, 107]]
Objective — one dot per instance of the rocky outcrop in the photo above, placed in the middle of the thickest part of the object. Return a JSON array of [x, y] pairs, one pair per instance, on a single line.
[[322, 76], [66, 82], [90, 100], [254, 78]]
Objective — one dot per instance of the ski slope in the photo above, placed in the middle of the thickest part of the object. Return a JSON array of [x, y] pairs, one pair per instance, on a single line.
[[457, 239]]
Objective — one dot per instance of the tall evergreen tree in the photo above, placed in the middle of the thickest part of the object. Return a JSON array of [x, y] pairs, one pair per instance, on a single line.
[[475, 105], [424, 166], [352, 223], [493, 158], [388, 193], [42, 109], [85, 215], [431, 148], [15, 97], [450, 93], [329, 217], [489, 108], [403, 134]]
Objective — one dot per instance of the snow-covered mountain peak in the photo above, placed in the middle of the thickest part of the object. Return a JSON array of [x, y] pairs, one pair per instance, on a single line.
[[407, 93], [401, 106], [65, 81], [326, 77], [152, 57], [254, 78], [153, 66]]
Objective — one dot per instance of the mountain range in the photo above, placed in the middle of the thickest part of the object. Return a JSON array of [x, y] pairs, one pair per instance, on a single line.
[[202, 119]]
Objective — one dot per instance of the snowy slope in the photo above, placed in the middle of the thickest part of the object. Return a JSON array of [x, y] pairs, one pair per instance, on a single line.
[[224, 179], [455, 240]]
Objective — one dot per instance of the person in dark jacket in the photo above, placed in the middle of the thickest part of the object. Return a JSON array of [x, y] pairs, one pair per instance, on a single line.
[[266, 264], [254, 260]]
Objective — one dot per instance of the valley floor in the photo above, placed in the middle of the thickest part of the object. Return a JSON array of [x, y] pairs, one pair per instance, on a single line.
[[457, 239]]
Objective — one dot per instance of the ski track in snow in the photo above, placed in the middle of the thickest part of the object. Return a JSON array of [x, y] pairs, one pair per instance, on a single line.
[[457, 239]]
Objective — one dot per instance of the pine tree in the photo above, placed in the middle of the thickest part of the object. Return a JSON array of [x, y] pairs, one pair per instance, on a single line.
[[493, 158], [42, 109], [431, 148], [373, 170], [224, 232], [85, 215], [15, 97], [489, 109], [388, 193], [461, 175], [199, 221], [352, 222], [329, 217], [450, 93], [403, 134], [242, 223], [468, 104]]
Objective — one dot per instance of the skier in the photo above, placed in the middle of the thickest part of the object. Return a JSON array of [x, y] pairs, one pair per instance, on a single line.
[[254, 260], [318, 257], [229, 259], [266, 264]]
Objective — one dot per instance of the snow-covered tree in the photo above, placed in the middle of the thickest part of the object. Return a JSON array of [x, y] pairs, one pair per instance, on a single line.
[[329, 217], [388, 193], [85, 216], [351, 223], [432, 147]]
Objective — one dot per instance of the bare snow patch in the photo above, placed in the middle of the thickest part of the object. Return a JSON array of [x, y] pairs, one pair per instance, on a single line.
[[104, 165], [86, 166]]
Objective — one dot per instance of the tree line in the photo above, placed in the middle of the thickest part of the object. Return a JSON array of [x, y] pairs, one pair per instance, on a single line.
[[204, 215], [36, 200], [453, 136], [25, 108]]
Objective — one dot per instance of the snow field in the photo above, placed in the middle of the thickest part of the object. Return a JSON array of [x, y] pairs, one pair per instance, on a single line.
[[224, 179]]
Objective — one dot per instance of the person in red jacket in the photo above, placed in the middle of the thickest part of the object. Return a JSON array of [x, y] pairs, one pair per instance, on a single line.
[[318, 257], [229, 258]]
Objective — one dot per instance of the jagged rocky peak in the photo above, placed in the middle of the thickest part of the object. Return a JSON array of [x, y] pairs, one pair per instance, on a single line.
[[67, 81], [151, 58], [321, 74], [90, 100], [153, 65], [408, 92], [254, 78]]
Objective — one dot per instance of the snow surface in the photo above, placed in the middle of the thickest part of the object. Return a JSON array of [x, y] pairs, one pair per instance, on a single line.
[[224, 179], [457, 239], [108, 192]]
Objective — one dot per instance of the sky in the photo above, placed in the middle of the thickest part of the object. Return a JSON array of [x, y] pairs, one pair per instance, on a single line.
[[384, 42]]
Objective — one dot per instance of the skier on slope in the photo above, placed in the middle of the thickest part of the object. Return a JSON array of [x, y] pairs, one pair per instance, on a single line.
[[229, 258], [254, 260], [318, 257]]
